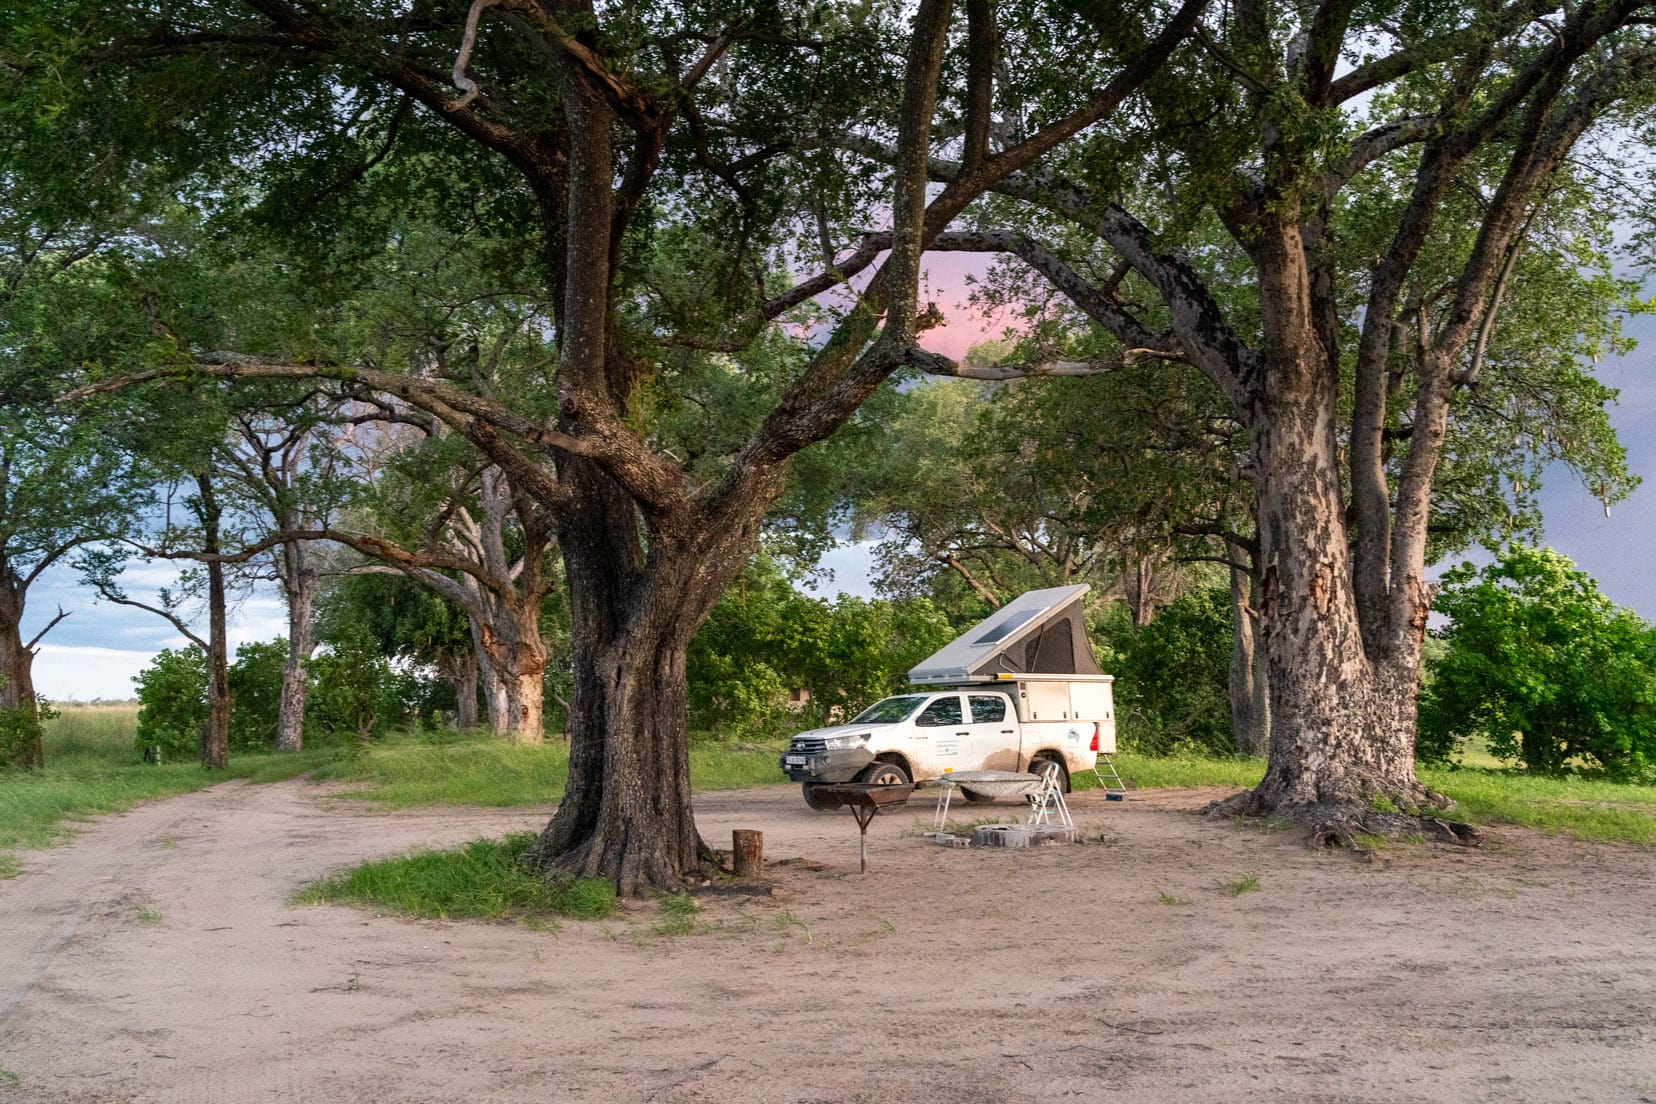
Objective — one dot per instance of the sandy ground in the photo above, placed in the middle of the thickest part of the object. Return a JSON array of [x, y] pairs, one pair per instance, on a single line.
[[155, 959]]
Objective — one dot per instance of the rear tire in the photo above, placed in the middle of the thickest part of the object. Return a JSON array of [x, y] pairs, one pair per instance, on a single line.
[[885, 774], [1038, 764], [808, 789]]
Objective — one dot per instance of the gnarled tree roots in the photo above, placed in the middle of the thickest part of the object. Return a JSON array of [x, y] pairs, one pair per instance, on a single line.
[[1354, 826], [633, 874]]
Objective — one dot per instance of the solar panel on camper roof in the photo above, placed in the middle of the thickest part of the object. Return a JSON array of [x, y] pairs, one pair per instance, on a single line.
[[1011, 624]]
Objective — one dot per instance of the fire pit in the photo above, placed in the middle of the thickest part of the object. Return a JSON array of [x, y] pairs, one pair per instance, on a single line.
[[864, 799]]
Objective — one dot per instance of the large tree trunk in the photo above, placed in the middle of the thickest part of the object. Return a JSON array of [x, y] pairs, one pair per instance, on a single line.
[[1249, 683], [626, 813], [215, 737], [23, 749], [1342, 722], [299, 584]]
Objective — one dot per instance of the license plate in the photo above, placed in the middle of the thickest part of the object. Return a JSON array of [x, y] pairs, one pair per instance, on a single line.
[[795, 760]]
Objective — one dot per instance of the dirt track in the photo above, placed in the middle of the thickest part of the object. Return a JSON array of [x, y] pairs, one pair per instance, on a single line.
[[155, 959]]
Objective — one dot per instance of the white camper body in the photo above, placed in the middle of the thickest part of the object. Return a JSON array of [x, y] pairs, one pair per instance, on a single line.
[[978, 705]]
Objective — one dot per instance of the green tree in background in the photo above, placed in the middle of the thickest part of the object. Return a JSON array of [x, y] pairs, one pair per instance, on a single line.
[[1542, 666], [765, 641]]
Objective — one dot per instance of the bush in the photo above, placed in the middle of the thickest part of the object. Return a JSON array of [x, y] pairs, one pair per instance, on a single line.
[[1546, 669], [1173, 678], [172, 702], [354, 690], [256, 694], [20, 735]]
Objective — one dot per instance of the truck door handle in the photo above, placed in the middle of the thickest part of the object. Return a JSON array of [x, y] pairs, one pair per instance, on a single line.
[[963, 734], [1008, 731]]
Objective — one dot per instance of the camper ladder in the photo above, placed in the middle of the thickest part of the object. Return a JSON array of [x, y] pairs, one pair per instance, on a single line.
[[1114, 788]]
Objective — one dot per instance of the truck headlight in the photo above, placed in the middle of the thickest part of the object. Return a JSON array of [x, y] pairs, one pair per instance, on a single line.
[[841, 743]]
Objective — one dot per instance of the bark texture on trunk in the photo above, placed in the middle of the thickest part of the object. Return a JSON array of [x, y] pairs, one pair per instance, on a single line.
[[215, 736], [1341, 717], [510, 648], [626, 813], [299, 585], [23, 749]]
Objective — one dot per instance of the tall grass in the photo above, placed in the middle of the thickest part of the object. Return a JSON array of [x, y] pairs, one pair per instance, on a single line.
[[407, 770], [482, 880]]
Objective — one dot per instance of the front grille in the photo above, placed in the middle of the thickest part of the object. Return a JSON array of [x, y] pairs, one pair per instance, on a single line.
[[808, 745]]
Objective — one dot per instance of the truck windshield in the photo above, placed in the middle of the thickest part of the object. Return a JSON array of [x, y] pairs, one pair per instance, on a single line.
[[889, 710]]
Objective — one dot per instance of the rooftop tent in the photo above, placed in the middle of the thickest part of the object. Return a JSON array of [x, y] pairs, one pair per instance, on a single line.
[[1042, 632]]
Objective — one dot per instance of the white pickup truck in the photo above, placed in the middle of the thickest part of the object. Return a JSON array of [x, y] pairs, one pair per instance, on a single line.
[[1018, 689], [1012, 726]]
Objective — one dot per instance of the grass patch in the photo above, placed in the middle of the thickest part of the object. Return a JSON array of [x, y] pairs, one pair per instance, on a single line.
[[10, 867], [1587, 809], [1177, 772], [404, 771], [146, 916], [680, 915], [476, 769], [482, 880], [1242, 883], [1165, 898], [92, 769]]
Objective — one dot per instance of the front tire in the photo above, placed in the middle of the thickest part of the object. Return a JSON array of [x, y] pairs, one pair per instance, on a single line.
[[885, 774], [808, 789]]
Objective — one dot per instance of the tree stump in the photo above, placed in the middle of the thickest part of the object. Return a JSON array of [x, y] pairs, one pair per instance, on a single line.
[[747, 850]]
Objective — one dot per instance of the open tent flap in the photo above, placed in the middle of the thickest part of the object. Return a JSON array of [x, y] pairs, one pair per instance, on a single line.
[[1042, 632]]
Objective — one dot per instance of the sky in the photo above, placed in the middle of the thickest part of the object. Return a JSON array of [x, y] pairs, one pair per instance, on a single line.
[[98, 648]]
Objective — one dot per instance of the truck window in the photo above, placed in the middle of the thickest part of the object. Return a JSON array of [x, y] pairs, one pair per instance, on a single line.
[[943, 711], [889, 710], [987, 708]]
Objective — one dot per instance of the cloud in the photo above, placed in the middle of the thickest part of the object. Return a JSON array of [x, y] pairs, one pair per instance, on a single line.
[[76, 673]]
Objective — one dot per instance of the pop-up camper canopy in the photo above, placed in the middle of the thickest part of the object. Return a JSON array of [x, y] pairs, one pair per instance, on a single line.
[[1042, 632]]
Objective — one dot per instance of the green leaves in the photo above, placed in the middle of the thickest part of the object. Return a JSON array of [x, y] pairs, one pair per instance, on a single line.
[[1543, 667], [765, 639]]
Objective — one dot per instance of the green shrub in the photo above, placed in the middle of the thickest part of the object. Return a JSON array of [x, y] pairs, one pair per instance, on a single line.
[[1173, 678], [354, 690], [172, 702], [256, 694], [765, 639], [20, 735]]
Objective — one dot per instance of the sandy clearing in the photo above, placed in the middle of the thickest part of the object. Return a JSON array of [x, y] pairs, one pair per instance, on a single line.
[[155, 960]]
